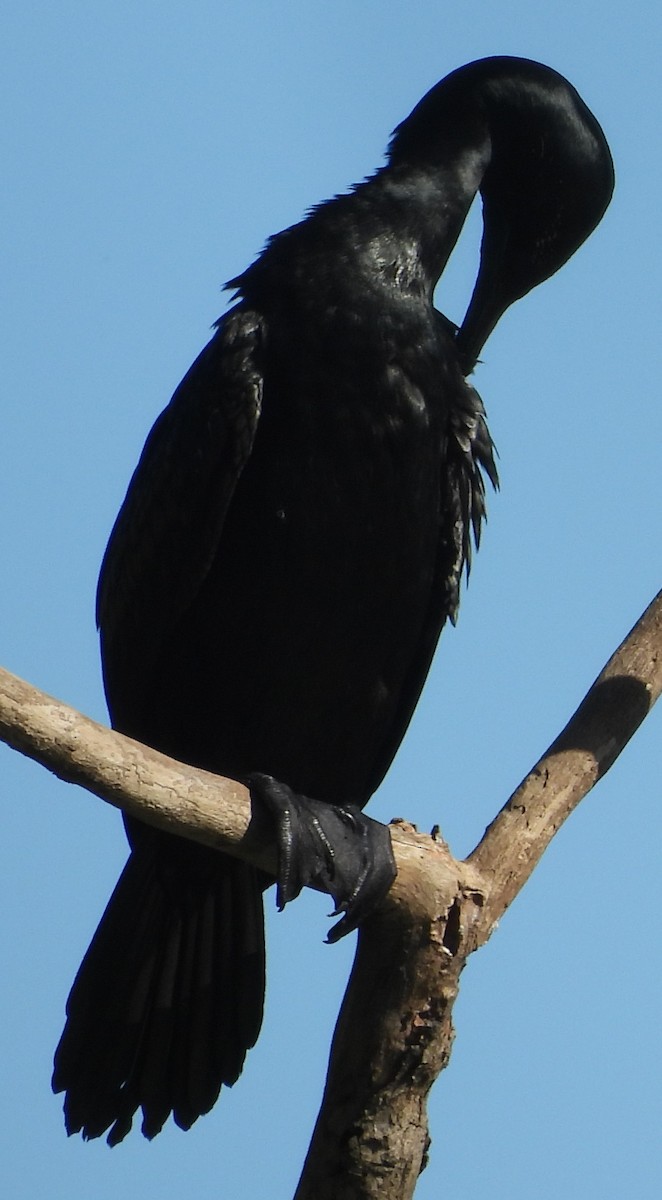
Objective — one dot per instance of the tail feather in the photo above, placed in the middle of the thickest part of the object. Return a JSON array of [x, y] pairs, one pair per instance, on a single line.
[[149, 1080], [108, 1003], [250, 933], [168, 997], [187, 1025], [194, 1064]]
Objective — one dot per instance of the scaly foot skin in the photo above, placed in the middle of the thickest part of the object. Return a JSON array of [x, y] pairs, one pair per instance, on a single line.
[[348, 854]]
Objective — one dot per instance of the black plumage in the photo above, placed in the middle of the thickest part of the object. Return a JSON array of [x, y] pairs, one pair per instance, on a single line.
[[290, 547]]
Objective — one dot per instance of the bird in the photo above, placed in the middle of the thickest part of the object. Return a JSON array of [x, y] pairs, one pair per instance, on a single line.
[[291, 545]]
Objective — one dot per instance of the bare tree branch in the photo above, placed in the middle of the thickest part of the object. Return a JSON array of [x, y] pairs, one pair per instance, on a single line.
[[394, 1032], [612, 711], [157, 789]]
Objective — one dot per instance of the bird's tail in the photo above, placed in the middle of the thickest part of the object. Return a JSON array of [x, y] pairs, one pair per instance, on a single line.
[[168, 997]]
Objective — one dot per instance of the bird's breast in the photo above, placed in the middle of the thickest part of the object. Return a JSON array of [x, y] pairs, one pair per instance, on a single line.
[[321, 585]]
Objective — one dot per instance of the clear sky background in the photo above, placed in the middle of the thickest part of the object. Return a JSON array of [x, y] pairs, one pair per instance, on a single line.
[[148, 150]]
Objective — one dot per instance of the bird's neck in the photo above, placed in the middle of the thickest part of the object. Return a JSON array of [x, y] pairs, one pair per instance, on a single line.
[[408, 219], [396, 230]]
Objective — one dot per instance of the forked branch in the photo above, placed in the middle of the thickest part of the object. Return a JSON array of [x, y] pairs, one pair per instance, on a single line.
[[394, 1032]]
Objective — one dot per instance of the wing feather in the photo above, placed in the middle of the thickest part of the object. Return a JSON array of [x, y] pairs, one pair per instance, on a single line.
[[168, 529]]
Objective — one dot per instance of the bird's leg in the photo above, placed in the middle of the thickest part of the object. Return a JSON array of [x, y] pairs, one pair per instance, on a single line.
[[335, 846]]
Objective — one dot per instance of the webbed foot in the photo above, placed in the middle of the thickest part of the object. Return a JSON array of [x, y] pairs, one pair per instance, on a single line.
[[348, 854]]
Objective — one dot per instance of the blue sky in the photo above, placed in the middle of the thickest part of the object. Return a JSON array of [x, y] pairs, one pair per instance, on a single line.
[[148, 150]]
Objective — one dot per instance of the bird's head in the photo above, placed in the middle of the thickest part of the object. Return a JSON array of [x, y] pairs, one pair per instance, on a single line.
[[546, 180]]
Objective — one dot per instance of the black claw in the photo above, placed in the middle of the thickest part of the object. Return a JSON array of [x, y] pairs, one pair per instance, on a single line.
[[336, 847]]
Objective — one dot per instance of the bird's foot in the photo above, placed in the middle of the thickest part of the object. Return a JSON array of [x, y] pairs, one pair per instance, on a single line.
[[334, 846]]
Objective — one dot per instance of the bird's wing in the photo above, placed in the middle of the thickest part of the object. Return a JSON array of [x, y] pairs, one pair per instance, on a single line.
[[168, 528]]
